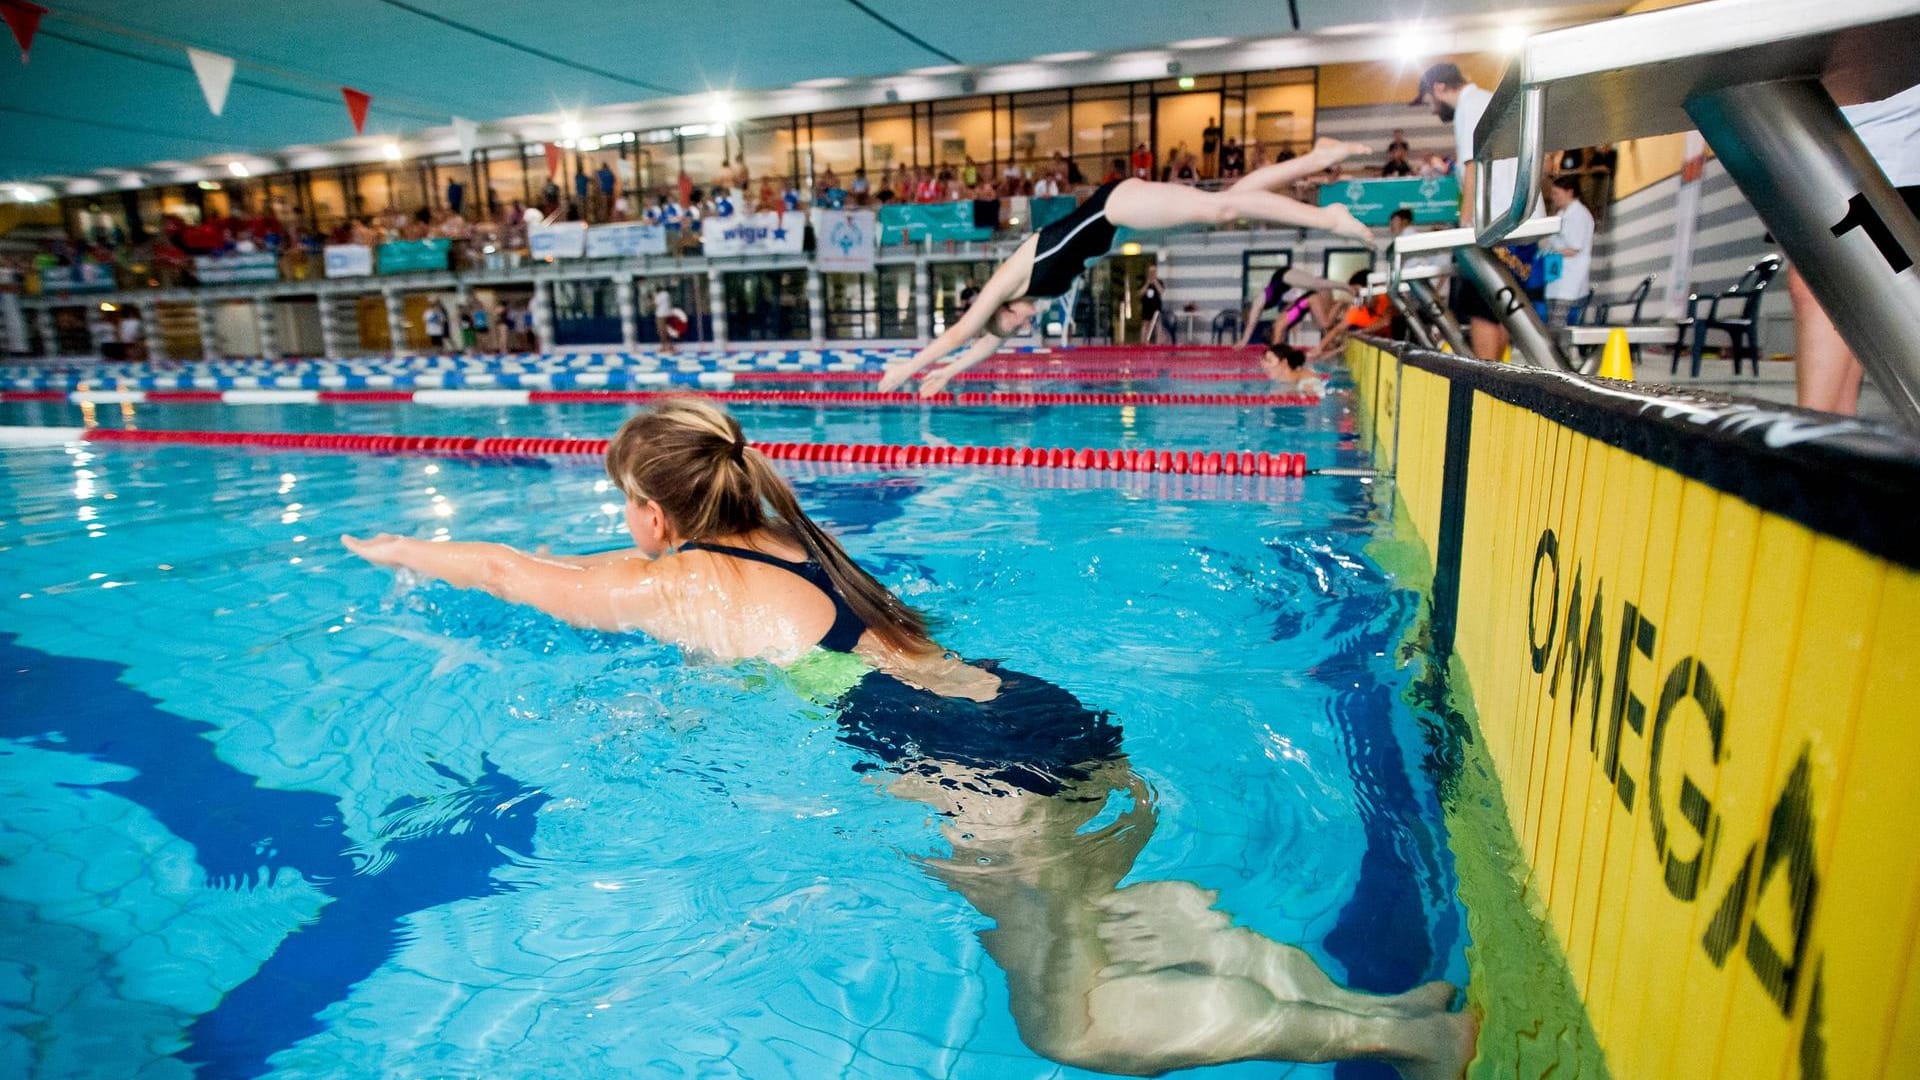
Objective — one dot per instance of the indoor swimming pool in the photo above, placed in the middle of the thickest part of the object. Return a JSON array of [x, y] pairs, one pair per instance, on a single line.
[[268, 810]]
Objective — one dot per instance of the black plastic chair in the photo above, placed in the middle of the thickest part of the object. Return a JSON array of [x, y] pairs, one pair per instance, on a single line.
[[1603, 315], [1226, 326], [1742, 329]]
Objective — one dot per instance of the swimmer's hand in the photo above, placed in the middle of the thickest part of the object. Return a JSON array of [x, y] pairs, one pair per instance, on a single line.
[[384, 549], [936, 383], [1331, 151], [897, 375]]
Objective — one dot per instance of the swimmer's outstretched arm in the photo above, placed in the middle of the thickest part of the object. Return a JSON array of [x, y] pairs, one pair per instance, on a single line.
[[988, 344], [1008, 282], [616, 595]]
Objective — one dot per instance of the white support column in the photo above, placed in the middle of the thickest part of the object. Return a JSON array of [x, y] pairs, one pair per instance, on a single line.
[[717, 306], [49, 332], [330, 326], [543, 315], [816, 307], [156, 338], [922, 301], [263, 314], [629, 314], [462, 301], [209, 330], [396, 321]]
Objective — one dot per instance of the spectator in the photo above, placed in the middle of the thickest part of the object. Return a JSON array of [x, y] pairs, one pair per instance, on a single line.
[[1142, 162], [436, 320], [580, 184], [1435, 165], [1258, 159], [480, 319], [1046, 187], [887, 194], [662, 314], [1186, 172], [550, 197], [768, 201], [685, 184], [1397, 163], [1116, 171], [1398, 141], [1209, 148], [1457, 100], [1574, 243], [1152, 299], [1233, 160], [1075, 177], [466, 327], [860, 190], [132, 335], [1286, 153], [605, 179], [970, 173]]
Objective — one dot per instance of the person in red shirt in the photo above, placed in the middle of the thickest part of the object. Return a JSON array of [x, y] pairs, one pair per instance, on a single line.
[[1116, 171], [1143, 162]]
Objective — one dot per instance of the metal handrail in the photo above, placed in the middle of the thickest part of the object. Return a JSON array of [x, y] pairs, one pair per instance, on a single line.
[[1488, 230]]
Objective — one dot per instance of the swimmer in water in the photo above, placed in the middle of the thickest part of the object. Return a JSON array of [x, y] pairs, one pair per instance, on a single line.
[[1045, 265], [1135, 980]]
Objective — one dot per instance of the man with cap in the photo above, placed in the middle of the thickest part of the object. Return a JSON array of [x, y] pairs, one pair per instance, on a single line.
[[1458, 101]]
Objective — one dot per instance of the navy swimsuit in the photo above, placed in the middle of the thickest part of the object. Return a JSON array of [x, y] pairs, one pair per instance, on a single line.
[[1068, 245]]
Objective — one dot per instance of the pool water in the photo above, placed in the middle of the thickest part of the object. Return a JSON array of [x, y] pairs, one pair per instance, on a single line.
[[265, 809]]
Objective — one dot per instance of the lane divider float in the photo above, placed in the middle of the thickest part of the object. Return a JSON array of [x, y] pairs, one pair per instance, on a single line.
[[494, 397], [1183, 462]]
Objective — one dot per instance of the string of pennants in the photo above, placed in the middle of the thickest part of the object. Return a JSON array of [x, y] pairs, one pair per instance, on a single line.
[[215, 73]]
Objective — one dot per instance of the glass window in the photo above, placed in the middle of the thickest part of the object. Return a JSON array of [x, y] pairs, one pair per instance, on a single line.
[[836, 146], [852, 305], [889, 143], [1281, 118], [953, 285], [1039, 130], [1103, 130], [585, 313], [766, 305], [702, 156], [894, 301], [766, 148], [1343, 263], [964, 130], [1257, 268]]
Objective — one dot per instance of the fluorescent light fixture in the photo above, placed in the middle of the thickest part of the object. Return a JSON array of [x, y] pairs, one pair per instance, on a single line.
[[1410, 44], [238, 168], [822, 84], [722, 111], [1068, 57], [1186, 82], [23, 193], [938, 69], [390, 151], [1512, 38], [569, 128], [1203, 43], [206, 185]]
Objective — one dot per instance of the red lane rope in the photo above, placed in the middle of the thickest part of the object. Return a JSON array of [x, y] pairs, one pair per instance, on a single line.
[[1198, 462], [1064, 375], [868, 397]]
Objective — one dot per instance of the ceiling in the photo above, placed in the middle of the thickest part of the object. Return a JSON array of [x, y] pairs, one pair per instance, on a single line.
[[109, 87]]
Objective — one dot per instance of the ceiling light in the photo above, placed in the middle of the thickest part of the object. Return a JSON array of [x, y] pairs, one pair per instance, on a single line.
[[938, 69], [390, 151], [206, 185], [569, 128], [1513, 37], [1186, 82], [1410, 44], [237, 168], [1203, 43], [722, 111], [1065, 57], [822, 84], [24, 193]]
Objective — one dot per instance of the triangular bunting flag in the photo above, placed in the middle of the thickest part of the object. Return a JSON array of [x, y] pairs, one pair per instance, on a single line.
[[24, 20], [467, 134], [554, 160], [215, 73], [357, 103]]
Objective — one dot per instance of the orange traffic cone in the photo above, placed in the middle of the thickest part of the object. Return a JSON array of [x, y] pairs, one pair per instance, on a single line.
[[1616, 360]]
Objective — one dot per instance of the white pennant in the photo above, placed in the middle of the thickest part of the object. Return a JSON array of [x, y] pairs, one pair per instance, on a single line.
[[467, 133], [215, 73]]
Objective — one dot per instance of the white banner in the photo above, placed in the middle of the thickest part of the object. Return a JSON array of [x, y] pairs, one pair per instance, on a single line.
[[467, 134], [846, 240], [1686, 223], [632, 238], [349, 260], [754, 234], [562, 240]]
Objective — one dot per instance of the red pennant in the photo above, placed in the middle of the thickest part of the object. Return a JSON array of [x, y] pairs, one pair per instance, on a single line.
[[357, 103], [555, 158], [24, 20]]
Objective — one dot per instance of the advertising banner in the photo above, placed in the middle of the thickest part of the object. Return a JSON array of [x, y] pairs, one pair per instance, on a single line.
[[846, 240], [562, 240], [938, 222], [239, 266], [349, 260], [623, 240], [1433, 199], [771, 233], [413, 256]]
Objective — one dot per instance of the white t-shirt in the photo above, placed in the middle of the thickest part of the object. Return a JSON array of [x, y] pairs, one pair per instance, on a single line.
[[436, 322], [662, 303], [1466, 117], [130, 330], [1891, 131], [1576, 231]]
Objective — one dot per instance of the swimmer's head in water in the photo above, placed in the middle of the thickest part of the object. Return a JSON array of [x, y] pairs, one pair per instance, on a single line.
[[1012, 318], [1283, 353], [688, 474]]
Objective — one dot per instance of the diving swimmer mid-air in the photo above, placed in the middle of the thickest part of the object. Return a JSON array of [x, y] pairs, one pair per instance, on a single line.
[[1045, 265], [1138, 978]]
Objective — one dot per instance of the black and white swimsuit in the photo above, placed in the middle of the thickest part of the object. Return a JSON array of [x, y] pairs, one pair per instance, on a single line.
[[1066, 247]]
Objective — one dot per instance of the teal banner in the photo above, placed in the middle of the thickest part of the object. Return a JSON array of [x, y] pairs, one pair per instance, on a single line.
[[913, 222], [1433, 199], [1050, 209], [412, 256]]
